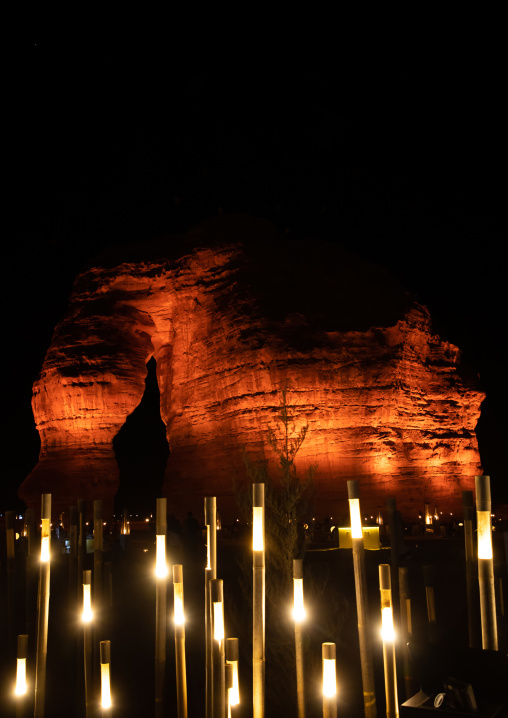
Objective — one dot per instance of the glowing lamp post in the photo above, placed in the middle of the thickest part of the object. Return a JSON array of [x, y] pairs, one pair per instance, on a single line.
[[232, 657], [43, 607], [161, 573], [218, 667], [210, 573], [329, 681], [299, 616], [485, 563], [87, 617], [258, 602], [179, 619], [388, 636], [21, 689], [105, 647], [367, 666]]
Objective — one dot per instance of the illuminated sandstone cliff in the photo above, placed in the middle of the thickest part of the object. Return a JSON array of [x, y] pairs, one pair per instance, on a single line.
[[228, 321]]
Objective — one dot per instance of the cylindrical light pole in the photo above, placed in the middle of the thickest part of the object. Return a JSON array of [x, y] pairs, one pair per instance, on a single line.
[[387, 632], [299, 616], [21, 689], [105, 653], [179, 619], [43, 607], [486, 564], [232, 659], [473, 610], [329, 681], [219, 685], [369, 694], [161, 573], [258, 602], [87, 618], [11, 580], [210, 574], [428, 579], [406, 629]]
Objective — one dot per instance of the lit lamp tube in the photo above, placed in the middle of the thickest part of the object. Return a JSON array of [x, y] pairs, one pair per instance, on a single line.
[[179, 619], [366, 658], [388, 636], [161, 572], [485, 563], [329, 681], [428, 517], [105, 676], [218, 667], [87, 617], [21, 687], [258, 602], [43, 608], [210, 573], [232, 657], [299, 616]]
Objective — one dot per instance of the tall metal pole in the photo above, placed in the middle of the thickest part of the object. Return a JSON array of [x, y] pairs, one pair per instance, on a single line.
[[298, 616], [473, 608], [21, 687], [43, 607], [390, 666], [179, 619], [161, 573], [406, 630], [210, 574], [258, 602], [97, 583], [219, 675], [486, 564], [232, 659], [11, 581], [362, 607], [87, 618], [428, 579]]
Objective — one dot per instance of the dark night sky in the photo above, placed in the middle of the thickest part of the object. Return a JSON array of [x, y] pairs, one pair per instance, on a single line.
[[401, 159]]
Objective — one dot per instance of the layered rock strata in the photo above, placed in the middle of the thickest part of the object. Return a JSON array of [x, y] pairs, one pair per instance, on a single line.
[[229, 321]]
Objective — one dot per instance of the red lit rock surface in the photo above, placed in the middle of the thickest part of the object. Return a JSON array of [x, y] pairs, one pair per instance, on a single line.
[[230, 312]]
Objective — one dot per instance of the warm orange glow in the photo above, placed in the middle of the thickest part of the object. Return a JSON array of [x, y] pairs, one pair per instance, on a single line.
[[356, 520], [329, 678], [484, 535], [161, 569], [87, 604], [45, 540], [387, 631], [179, 616], [299, 613], [234, 691], [218, 621], [21, 687], [105, 686], [258, 528]]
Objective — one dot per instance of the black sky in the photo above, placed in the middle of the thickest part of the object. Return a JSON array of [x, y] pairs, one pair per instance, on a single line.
[[400, 157]]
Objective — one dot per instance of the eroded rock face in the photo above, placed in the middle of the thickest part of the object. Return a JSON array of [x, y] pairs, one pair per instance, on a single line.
[[229, 319]]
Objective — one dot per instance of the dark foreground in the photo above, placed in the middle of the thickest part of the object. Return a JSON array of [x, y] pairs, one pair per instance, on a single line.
[[329, 588]]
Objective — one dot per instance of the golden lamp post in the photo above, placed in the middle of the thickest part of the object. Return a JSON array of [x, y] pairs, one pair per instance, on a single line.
[[298, 617], [87, 618], [258, 602], [369, 693], [218, 668], [388, 636], [43, 607], [210, 574], [21, 687], [179, 620], [232, 658], [105, 653], [161, 574], [329, 681], [485, 563]]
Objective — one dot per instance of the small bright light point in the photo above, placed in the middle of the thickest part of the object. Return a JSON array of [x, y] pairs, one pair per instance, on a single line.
[[329, 678], [356, 520], [299, 613], [105, 686], [21, 687], [257, 528], [87, 604], [218, 621], [161, 569], [387, 632]]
